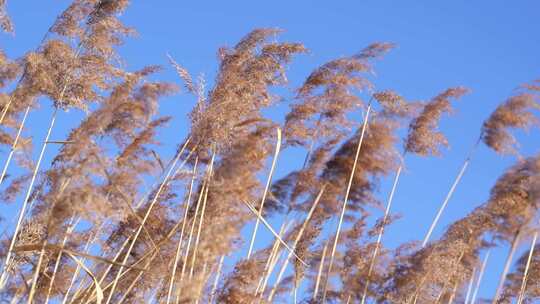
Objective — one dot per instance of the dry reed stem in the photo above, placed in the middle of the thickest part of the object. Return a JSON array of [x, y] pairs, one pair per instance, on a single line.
[[450, 192], [344, 208], [14, 145], [271, 257], [147, 214], [456, 264], [179, 247], [42, 252], [277, 256], [203, 282], [319, 273], [7, 260], [196, 248], [139, 275], [268, 183], [191, 231], [271, 262], [480, 276], [77, 270], [526, 272], [197, 237], [507, 264], [381, 232], [216, 280], [296, 240], [99, 291], [274, 232], [126, 242], [36, 274], [469, 287], [72, 226]]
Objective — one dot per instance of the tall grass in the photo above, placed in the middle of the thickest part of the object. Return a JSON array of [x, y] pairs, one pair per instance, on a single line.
[[110, 219]]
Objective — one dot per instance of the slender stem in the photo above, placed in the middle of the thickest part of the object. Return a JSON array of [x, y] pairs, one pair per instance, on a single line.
[[197, 237], [36, 273], [451, 192], [269, 227], [480, 276], [72, 225], [381, 231], [526, 272], [345, 201], [469, 288], [319, 273], [201, 220], [179, 247], [269, 267], [78, 269], [297, 239], [192, 230], [146, 216], [272, 266], [266, 188], [507, 264], [14, 145], [216, 280], [7, 261], [139, 275]]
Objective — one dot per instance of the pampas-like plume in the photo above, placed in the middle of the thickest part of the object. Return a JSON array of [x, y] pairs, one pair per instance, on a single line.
[[513, 113], [423, 137], [242, 88]]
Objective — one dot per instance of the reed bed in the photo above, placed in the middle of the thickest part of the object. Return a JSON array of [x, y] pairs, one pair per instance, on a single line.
[[112, 218]]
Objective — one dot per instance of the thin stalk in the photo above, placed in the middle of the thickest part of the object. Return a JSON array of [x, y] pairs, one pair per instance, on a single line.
[[126, 242], [203, 281], [296, 240], [451, 192], [14, 145], [345, 201], [319, 273], [139, 275], [507, 264], [418, 289], [469, 288], [179, 247], [453, 295], [78, 269], [266, 188], [58, 257], [7, 260], [480, 276], [526, 272], [274, 232], [450, 277], [147, 255], [381, 231], [192, 230], [271, 257], [197, 237], [273, 263], [216, 280], [201, 220], [147, 214], [36, 274]]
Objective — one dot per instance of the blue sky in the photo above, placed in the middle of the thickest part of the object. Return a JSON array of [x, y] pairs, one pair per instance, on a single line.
[[490, 47]]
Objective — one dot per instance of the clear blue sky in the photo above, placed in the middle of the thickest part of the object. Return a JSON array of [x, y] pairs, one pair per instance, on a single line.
[[488, 46]]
